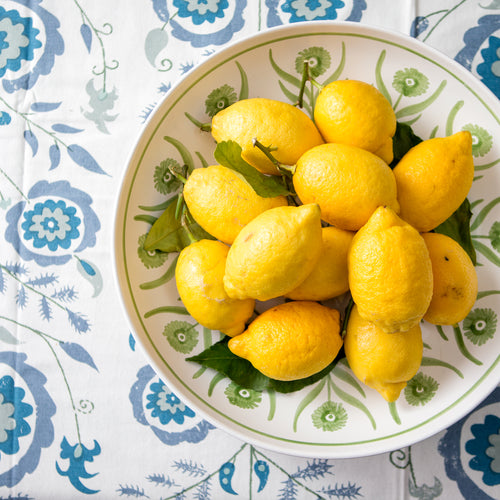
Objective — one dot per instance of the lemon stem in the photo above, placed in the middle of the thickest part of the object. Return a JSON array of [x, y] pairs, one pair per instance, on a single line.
[[267, 150], [347, 314], [205, 127], [184, 222], [177, 175], [305, 78]]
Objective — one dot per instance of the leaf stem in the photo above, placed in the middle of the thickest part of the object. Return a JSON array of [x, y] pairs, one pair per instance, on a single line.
[[204, 127], [31, 123]]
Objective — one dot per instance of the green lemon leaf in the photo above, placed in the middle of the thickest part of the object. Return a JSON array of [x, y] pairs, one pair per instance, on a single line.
[[457, 226], [228, 154], [404, 139], [241, 371], [168, 234]]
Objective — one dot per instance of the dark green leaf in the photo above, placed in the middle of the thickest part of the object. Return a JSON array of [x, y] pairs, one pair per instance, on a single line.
[[239, 370], [457, 226], [168, 234], [404, 139], [228, 154], [242, 372]]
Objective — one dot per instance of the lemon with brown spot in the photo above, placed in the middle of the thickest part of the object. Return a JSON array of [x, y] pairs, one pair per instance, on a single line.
[[383, 361], [390, 272], [433, 179], [291, 341], [455, 280], [198, 274], [276, 124], [222, 202]]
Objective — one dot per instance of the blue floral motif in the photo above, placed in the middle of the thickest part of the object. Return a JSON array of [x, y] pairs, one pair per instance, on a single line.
[[20, 421], [28, 44], [165, 410], [17, 40], [165, 405], [474, 39], [12, 415], [485, 448], [78, 455], [482, 447], [200, 11], [312, 10], [5, 118], [489, 69], [308, 10], [52, 225]]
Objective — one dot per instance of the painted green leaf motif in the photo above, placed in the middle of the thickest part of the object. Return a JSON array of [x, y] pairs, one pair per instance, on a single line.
[[168, 234], [457, 226], [404, 139], [228, 154], [242, 372]]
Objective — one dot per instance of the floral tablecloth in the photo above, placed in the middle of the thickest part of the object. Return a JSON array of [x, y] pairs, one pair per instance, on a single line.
[[81, 411]]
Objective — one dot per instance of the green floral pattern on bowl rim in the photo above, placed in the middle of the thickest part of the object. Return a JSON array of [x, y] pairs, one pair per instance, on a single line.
[[337, 417]]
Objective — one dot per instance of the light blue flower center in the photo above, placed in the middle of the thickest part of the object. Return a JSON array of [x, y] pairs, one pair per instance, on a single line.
[[12, 41], [310, 9], [494, 452], [50, 224], [7, 423], [203, 6]]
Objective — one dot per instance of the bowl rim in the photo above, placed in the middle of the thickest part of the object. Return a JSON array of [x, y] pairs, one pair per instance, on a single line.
[[184, 82]]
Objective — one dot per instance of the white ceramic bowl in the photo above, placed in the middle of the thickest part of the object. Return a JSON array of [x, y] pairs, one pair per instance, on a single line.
[[336, 417]]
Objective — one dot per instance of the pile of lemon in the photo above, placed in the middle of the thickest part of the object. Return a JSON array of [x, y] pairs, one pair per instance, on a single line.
[[357, 227]]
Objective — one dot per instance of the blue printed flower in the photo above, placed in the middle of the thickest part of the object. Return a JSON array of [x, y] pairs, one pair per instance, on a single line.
[[485, 448], [18, 40], [77, 455], [12, 415], [479, 453], [489, 69], [225, 21], [5, 118], [60, 223], [25, 428], [201, 10], [165, 410], [309, 10], [477, 37], [52, 224], [165, 405], [21, 41], [302, 10]]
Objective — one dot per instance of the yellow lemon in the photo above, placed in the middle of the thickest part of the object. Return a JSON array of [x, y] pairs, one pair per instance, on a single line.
[[390, 272], [383, 361], [356, 113], [434, 178], [348, 183], [198, 274], [455, 280], [274, 123], [222, 202], [274, 253], [329, 278], [291, 341]]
